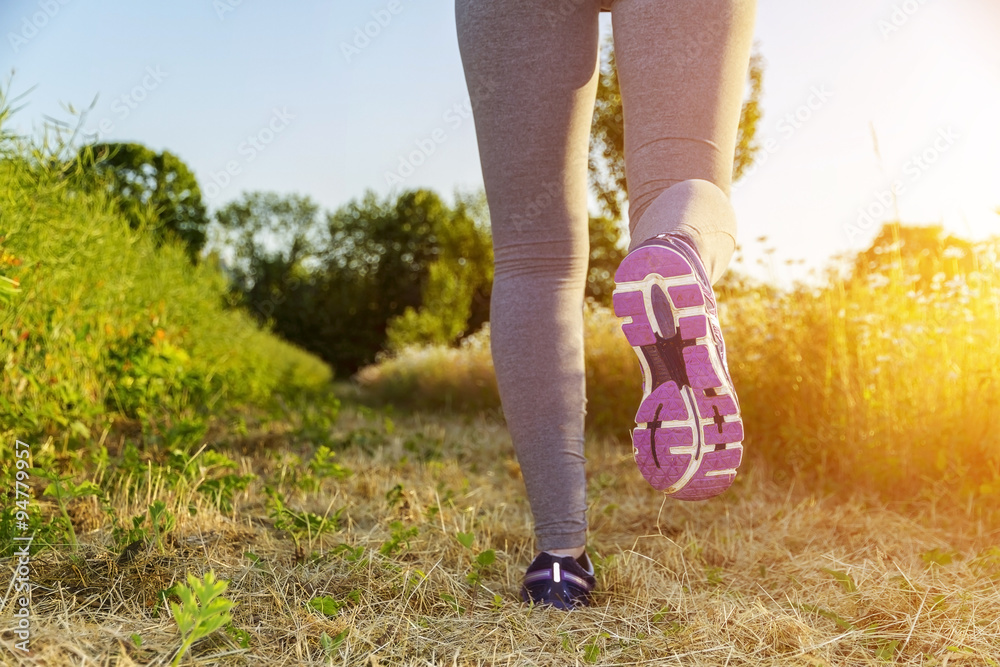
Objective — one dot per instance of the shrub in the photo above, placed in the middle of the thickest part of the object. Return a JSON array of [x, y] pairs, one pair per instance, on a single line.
[[104, 321]]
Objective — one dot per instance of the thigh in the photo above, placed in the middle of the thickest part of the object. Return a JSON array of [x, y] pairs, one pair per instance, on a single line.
[[531, 70]]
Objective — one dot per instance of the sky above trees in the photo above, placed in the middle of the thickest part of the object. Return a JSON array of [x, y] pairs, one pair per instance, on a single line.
[[269, 96]]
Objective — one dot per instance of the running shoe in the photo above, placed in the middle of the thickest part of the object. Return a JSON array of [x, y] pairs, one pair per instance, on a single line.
[[689, 434], [561, 581]]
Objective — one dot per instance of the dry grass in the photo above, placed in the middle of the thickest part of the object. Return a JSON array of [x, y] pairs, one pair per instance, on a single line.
[[887, 383], [760, 576]]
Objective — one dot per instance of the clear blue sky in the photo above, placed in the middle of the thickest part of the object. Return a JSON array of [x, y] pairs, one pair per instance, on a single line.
[[201, 78]]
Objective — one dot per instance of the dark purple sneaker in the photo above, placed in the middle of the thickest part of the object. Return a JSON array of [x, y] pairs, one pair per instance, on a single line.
[[563, 582], [688, 436]]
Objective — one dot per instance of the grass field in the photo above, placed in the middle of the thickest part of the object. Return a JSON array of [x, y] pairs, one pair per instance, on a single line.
[[768, 574], [154, 441]]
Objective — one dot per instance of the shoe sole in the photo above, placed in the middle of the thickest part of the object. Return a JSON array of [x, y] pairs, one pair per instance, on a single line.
[[689, 433]]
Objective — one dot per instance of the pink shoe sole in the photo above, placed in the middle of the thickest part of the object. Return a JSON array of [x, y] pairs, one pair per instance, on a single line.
[[688, 435]]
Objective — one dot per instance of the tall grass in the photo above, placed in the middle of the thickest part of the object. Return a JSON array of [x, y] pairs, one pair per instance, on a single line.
[[888, 383], [103, 321]]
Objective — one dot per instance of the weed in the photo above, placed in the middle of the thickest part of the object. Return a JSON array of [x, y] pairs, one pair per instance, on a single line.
[[423, 447], [844, 579], [300, 525], [453, 603], [222, 489], [330, 644], [592, 649], [62, 489], [322, 466], [201, 611], [325, 605], [394, 496], [940, 557], [480, 562], [240, 636], [399, 539], [161, 522]]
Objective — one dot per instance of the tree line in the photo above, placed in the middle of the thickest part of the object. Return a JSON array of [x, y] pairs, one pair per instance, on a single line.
[[380, 273]]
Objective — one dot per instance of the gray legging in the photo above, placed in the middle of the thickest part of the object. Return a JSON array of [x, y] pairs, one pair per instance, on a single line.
[[531, 67]]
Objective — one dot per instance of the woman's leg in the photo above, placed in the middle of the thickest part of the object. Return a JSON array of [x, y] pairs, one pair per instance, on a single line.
[[682, 67], [531, 70]]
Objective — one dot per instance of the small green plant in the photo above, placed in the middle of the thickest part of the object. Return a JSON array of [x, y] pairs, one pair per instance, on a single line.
[[940, 557], [320, 467], [480, 563], [592, 649], [325, 605], [201, 611], [316, 419], [453, 602], [258, 562], [395, 495], [299, 524], [241, 637], [366, 439], [423, 447], [162, 522], [222, 489], [20, 517], [349, 553], [412, 581], [844, 579], [400, 538], [126, 536], [330, 644], [887, 650], [63, 490], [323, 466]]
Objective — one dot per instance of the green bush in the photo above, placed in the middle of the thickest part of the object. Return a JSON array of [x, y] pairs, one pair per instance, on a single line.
[[106, 322]]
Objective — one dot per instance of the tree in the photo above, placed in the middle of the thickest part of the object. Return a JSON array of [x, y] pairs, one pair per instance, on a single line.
[[399, 270], [409, 270], [274, 240], [459, 281], [151, 185]]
